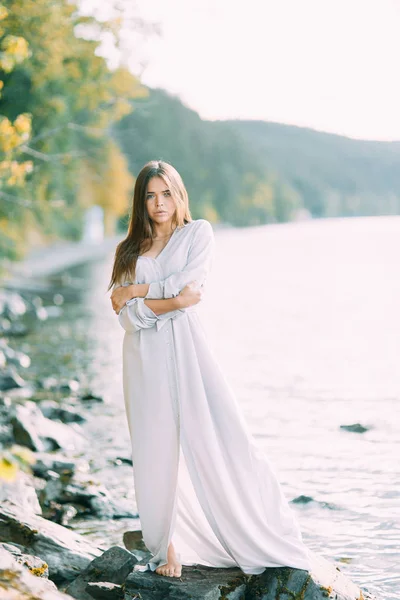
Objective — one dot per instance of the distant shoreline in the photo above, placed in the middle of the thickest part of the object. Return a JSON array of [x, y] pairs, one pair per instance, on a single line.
[[61, 255], [55, 258]]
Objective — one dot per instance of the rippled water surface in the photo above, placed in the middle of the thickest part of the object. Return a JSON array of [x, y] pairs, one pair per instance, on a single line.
[[305, 321]]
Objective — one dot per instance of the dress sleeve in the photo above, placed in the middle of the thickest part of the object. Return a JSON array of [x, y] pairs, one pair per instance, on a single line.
[[196, 269], [135, 315]]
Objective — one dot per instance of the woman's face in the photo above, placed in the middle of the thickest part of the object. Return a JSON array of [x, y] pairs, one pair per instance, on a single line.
[[159, 202]]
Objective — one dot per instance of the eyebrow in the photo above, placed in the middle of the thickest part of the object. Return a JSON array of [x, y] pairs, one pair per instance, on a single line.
[[149, 192]]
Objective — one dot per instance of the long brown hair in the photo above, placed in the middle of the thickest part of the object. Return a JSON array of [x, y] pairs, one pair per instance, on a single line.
[[140, 228]]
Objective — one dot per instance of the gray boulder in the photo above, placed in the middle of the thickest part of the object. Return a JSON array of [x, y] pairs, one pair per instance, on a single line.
[[10, 379], [355, 428], [198, 582], [105, 591], [35, 565], [65, 552], [64, 413], [21, 491], [35, 431], [88, 497], [113, 566], [66, 467], [17, 582]]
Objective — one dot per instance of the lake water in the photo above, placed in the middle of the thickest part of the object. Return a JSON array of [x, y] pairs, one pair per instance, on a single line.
[[304, 319]]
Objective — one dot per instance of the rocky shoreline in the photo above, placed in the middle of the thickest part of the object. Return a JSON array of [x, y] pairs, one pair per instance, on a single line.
[[45, 483]]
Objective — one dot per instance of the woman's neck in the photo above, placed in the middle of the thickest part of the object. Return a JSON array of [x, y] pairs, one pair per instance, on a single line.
[[163, 230]]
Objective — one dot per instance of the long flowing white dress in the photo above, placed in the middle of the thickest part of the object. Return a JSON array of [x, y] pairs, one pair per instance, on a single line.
[[200, 479]]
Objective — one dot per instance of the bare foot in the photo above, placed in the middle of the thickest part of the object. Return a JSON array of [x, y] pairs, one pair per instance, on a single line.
[[173, 568]]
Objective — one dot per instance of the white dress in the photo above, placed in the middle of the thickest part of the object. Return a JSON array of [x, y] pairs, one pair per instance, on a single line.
[[200, 479]]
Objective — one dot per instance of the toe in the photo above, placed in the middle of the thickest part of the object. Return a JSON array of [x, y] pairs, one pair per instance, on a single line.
[[177, 572]]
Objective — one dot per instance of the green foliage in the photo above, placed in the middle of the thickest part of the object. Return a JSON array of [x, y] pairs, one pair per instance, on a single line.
[[333, 175], [72, 98]]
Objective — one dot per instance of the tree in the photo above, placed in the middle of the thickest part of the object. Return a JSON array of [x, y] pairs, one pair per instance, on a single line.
[[73, 99]]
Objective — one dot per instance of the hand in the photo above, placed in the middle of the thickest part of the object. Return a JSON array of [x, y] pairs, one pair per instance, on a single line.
[[191, 294], [119, 297]]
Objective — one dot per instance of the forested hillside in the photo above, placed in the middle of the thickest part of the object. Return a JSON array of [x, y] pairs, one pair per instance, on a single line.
[[226, 179], [336, 176], [250, 172]]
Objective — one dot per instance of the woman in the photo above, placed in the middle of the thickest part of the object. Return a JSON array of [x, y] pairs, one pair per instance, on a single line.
[[205, 492]]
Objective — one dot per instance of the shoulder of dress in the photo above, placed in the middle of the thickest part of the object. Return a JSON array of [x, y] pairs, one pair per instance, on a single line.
[[202, 224]]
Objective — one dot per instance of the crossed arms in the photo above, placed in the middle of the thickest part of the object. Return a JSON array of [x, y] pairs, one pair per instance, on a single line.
[[146, 302]]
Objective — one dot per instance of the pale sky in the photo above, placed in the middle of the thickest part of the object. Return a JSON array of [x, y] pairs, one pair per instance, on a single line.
[[333, 65]]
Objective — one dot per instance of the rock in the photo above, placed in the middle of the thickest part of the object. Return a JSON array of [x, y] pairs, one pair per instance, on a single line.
[[35, 431], [113, 566], [17, 582], [6, 435], [66, 467], [115, 509], [24, 426], [19, 393], [307, 499], [87, 497], [94, 497], [21, 491], [65, 552], [36, 565], [56, 385], [105, 591], [52, 491], [13, 548], [72, 385], [60, 513], [89, 397], [66, 414], [302, 499], [126, 460], [198, 582], [10, 379], [355, 428], [133, 540]]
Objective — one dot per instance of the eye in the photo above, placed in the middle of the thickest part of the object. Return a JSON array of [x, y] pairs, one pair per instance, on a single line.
[[167, 193]]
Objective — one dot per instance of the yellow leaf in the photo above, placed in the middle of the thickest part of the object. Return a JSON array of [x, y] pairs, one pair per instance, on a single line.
[[3, 12], [8, 470]]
